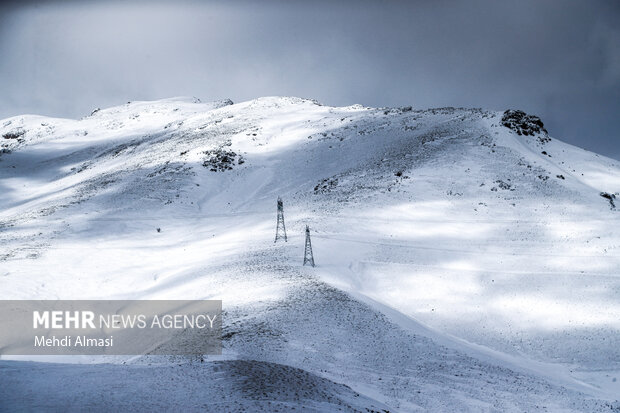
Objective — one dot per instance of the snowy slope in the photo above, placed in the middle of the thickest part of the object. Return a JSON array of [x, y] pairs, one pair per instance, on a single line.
[[461, 266]]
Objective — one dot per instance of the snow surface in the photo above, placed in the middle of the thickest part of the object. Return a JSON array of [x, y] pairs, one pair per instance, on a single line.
[[461, 267]]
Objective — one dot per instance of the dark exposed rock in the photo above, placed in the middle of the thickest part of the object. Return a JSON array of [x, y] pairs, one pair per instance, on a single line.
[[401, 109], [504, 185], [610, 198], [326, 185], [219, 160], [14, 134], [524, 124]]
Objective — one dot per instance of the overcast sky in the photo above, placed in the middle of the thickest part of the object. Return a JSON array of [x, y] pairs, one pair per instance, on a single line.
[[557, 59]]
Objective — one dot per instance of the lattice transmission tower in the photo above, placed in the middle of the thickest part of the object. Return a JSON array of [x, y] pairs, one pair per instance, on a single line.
[[280, 227], [308, 257]]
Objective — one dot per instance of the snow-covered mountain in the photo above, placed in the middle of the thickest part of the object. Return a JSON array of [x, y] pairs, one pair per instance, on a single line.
[[466, 261]]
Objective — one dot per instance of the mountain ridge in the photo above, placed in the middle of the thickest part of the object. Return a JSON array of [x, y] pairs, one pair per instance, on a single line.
[[445, 216]]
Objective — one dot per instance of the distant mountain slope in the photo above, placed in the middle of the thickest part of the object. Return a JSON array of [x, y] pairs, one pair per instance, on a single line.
[[474, 258]]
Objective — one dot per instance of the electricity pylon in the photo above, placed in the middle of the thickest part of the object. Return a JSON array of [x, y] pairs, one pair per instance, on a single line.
[[280, 228], [308, 257]]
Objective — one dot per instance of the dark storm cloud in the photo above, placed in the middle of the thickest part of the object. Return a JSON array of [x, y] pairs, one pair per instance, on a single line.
[[557, 59]]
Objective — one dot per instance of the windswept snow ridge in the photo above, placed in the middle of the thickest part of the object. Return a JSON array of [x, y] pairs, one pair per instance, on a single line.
[[466, 261]]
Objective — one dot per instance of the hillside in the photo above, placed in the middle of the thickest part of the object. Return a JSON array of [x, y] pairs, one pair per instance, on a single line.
[[464, 262]]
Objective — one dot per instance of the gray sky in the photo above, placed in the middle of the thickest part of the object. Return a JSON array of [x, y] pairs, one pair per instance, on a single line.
[[557, 59]]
